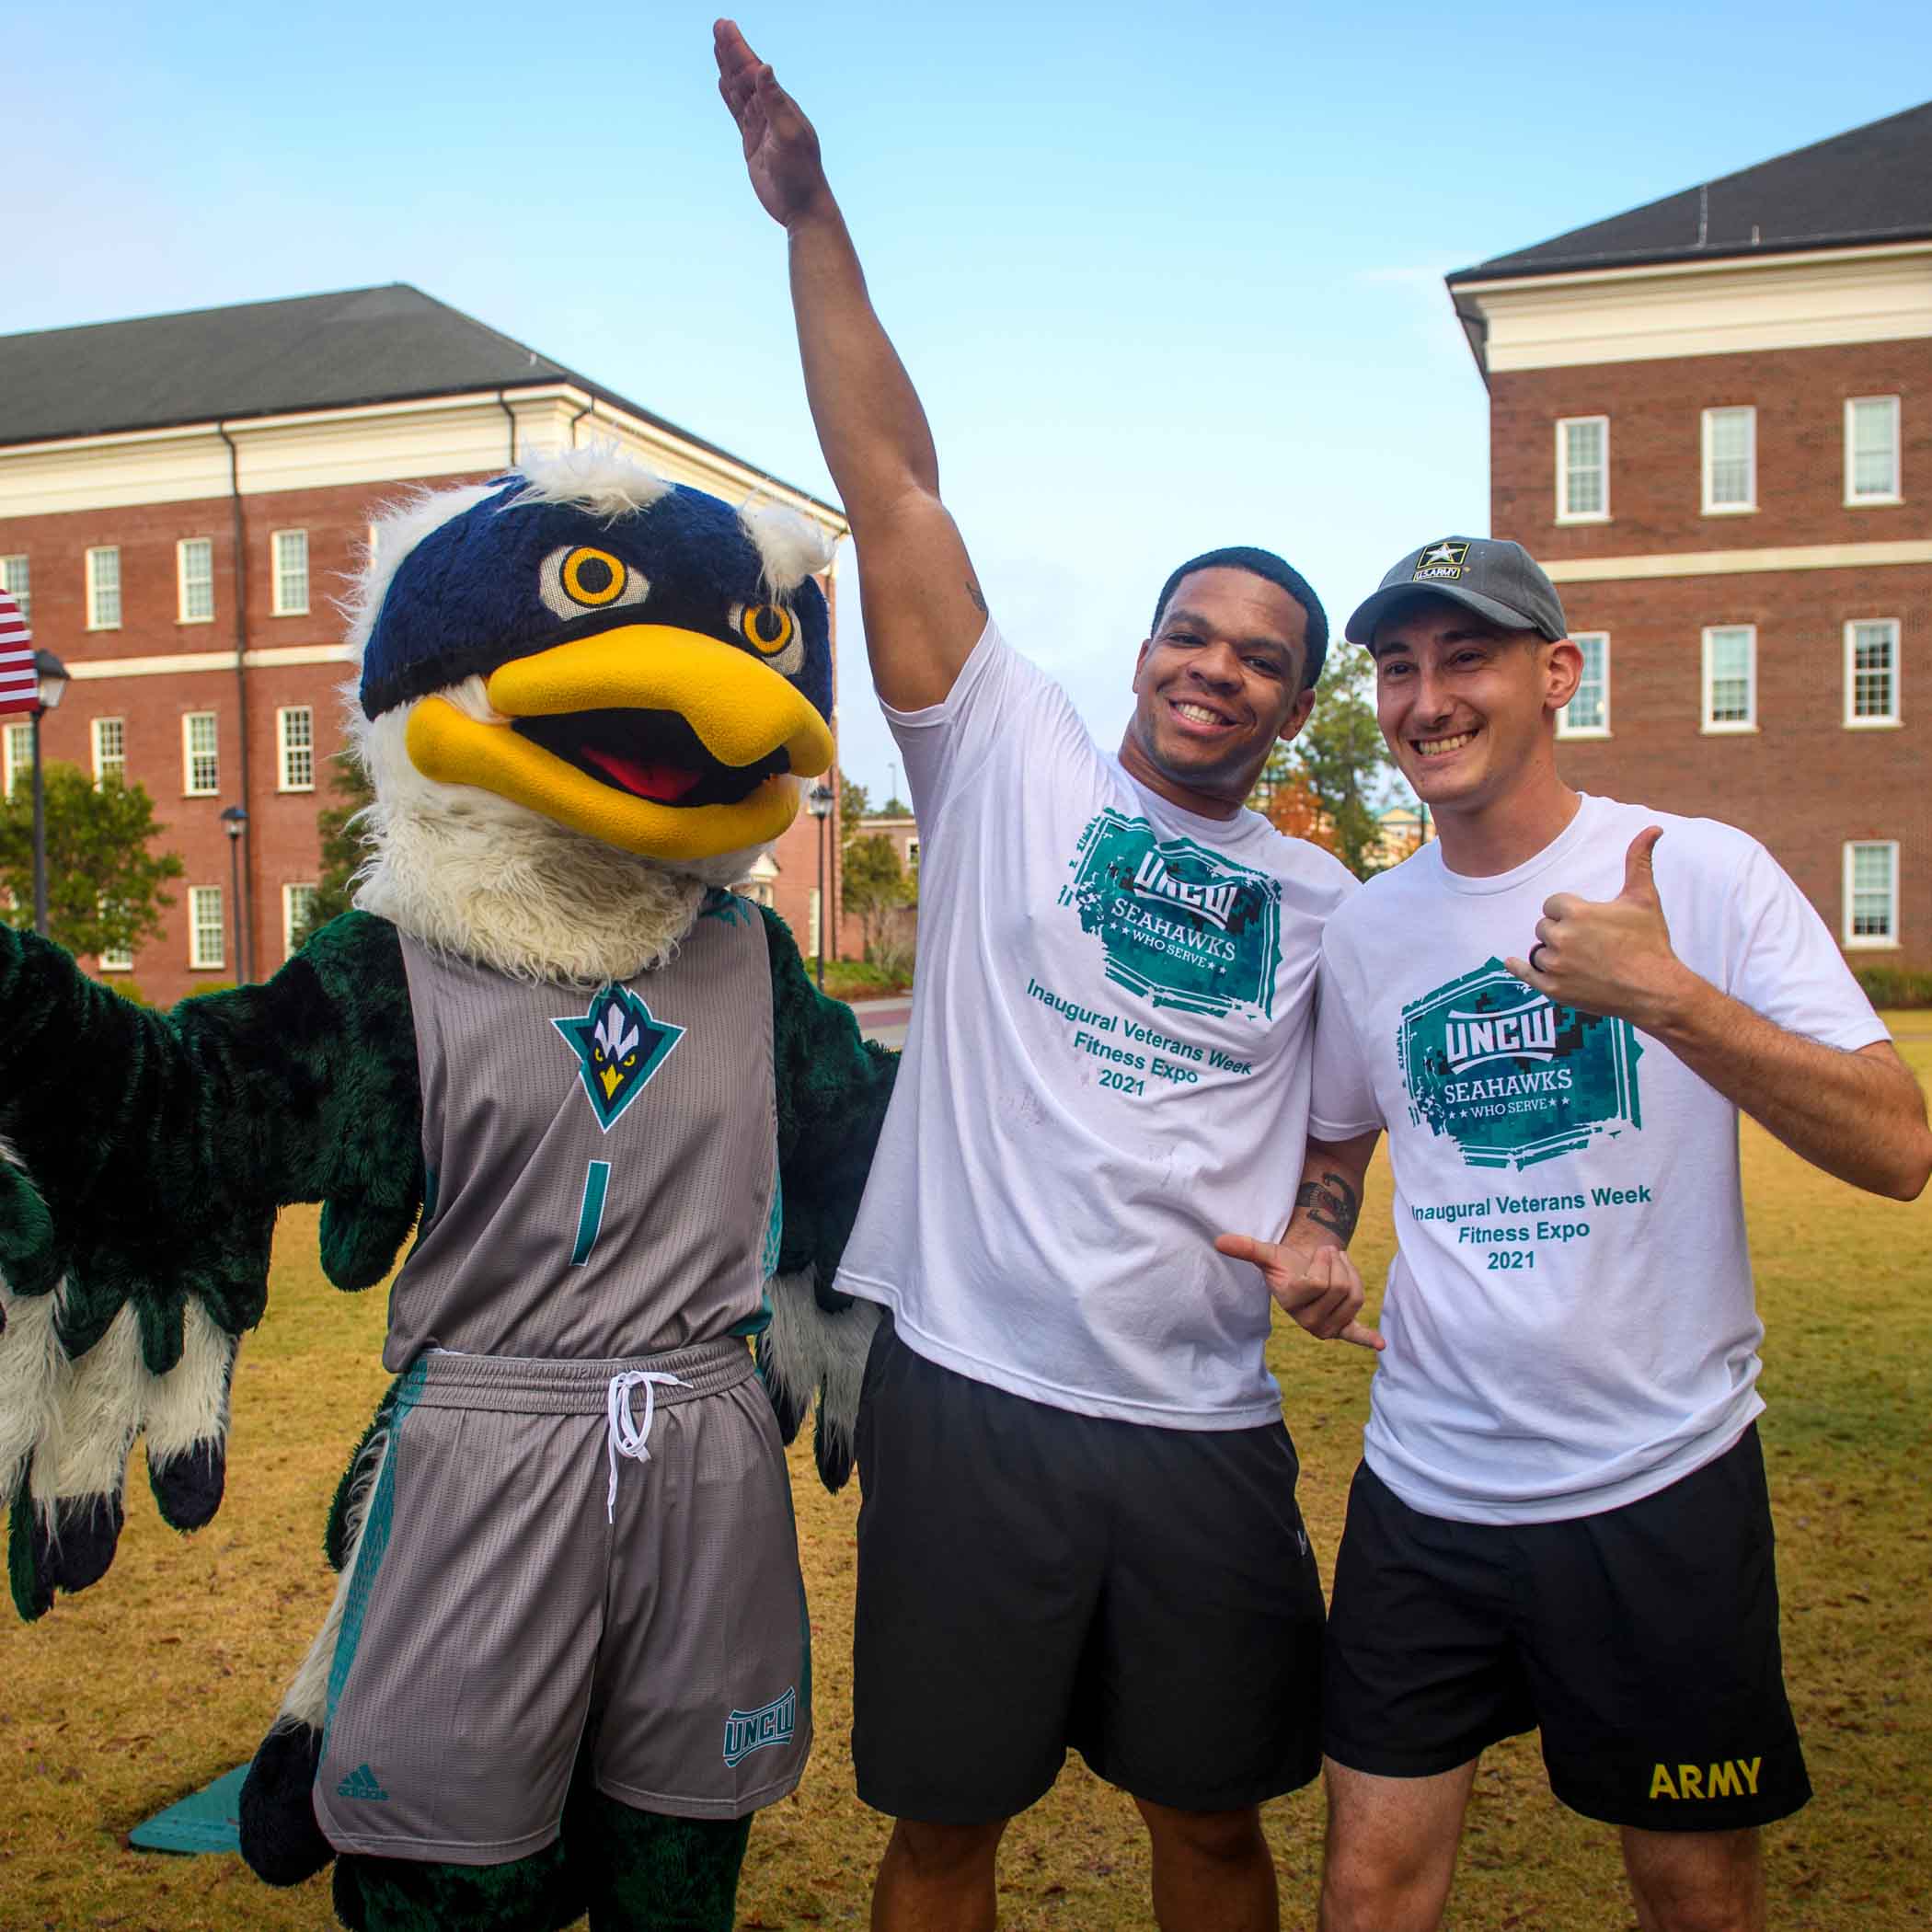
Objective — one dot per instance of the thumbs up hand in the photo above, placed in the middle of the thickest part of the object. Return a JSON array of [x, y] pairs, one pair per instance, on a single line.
[[1610, 956]]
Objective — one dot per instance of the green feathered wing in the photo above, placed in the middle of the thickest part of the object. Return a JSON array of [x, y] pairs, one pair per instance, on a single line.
[[145, 1157]]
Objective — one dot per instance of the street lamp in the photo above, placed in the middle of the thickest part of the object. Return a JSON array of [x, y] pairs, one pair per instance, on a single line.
[[51, 681], [818, 802], [234, 821]]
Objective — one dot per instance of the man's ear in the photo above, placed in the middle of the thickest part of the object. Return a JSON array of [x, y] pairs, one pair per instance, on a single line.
[[1291, 725], [1564, 670], [1140, 658]]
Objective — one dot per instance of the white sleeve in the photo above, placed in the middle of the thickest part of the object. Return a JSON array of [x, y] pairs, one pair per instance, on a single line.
[[998, 705], [1341, 1101], [1786, 965]]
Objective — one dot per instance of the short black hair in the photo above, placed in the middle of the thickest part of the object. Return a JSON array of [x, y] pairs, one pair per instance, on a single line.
[[1277, 571]]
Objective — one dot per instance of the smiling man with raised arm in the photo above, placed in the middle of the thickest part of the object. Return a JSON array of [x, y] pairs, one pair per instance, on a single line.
[[1079, 1524], [1561, 1521]]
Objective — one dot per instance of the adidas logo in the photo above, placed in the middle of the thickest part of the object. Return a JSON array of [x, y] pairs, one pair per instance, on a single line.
[[361, 1783]]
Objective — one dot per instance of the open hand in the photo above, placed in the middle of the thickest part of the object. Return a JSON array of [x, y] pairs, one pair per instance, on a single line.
[[1612, 956], [781, 151], [1320, 1287]]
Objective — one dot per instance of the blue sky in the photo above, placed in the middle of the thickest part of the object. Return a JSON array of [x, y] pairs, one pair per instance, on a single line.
[[1166, 277]]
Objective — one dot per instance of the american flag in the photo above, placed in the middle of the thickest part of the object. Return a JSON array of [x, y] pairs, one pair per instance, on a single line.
[[19, 688]]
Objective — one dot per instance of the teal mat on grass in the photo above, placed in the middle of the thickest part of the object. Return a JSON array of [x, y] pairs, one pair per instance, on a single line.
[[208, 1821]]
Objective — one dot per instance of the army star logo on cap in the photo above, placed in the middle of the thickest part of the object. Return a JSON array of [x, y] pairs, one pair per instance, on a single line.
[[1442, 560]]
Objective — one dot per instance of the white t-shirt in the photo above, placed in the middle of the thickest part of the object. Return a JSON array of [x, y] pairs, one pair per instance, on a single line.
[[1570, 1317], [1107, 1065]]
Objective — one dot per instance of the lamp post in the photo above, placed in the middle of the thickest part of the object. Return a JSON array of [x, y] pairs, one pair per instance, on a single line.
[[234, 821], [51, 683], [818, 802]]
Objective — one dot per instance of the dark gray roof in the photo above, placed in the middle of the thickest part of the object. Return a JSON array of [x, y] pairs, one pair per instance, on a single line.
[[1871, 185], [378, 345]]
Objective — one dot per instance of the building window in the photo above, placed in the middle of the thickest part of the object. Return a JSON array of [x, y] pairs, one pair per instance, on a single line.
[[1872, 893], [295, 737], [17, 581], [201, 764], [115, 961], [205, 926], [17, 754], [1730, 678], [110, 750], [194, 577], [290, 573], [104, 589], [1871, 450], [1583, 469], [1729, 461], [1587, 715], [297, 902], [1871, 672]]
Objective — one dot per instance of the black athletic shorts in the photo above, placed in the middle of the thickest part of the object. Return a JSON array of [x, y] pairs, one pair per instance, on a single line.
[[1643, 1641], [1029, 1579]]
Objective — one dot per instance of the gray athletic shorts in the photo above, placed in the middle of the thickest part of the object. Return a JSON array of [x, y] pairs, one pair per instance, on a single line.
[[506, 1609]]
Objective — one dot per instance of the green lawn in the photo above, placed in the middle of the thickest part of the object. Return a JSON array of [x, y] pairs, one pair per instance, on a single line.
[[166, 1674]]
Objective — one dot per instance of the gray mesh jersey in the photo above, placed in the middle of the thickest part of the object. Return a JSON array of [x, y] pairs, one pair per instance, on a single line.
[[602, 1169]]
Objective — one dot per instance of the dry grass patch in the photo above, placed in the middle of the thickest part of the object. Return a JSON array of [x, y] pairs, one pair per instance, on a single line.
[[166, 1674]]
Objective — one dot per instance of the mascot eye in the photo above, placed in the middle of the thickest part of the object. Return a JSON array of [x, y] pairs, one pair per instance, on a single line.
[[579, 578], [773, 632]]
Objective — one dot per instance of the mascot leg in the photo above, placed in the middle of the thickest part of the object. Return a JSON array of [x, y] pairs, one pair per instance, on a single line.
[[642, 1873], [399, 1895]]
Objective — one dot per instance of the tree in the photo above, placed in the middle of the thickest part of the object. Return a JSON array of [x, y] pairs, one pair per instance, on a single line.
[[104, 887], [345, 842], [1322, 780], [875, 886]]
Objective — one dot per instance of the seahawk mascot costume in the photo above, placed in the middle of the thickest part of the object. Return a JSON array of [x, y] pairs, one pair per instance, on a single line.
[[568, 1657]]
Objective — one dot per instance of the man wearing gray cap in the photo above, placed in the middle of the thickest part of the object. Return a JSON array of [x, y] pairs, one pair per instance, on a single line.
[[1560, 1519]]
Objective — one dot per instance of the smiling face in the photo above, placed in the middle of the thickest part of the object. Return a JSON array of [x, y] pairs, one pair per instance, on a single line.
[[1469, 708], [1218, 682]]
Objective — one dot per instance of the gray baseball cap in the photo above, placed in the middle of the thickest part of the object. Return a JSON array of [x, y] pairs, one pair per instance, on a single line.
[[1498, 579]]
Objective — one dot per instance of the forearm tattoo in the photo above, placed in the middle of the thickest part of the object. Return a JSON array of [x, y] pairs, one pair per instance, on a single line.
[[1331, 1204]]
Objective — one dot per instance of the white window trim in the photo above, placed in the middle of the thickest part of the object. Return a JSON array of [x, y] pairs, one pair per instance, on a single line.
[[1745, 509], [119, 586], [1895, 718], [1869, 942], [20, 766], [22, 596], [1896, 494], [281, 748], [190, 789], [94, 725], [113, 962], [196, 961], [1564, 728], [1564, 513], [288, 913], [278, 607], [181, 615], [1727, 726]]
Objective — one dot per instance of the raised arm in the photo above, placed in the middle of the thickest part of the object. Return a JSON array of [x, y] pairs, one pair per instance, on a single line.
[[923, 610], [1309, 1270]]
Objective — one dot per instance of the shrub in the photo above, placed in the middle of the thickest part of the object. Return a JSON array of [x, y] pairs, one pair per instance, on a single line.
[[1893, 986]]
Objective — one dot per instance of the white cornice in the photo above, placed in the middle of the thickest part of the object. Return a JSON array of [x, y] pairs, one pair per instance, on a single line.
[[172, 664], [370, 445], [1733, 563], [1676, 309]]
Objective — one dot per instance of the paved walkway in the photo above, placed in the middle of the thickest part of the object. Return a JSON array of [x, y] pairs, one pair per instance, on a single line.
[[884, 1020]]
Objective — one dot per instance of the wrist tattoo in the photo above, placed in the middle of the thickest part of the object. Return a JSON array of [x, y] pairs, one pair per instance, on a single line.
[[979, 603], [1331, 1204]]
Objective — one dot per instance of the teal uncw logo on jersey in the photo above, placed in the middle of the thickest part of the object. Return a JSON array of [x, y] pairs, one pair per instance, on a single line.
[[619, 1044], [1180, 925], [1511, 1077]]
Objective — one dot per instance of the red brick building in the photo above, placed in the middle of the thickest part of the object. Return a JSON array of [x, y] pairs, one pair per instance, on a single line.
[[181, 500], [1711, 419]]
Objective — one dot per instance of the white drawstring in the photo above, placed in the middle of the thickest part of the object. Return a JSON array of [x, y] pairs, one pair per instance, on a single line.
[[624, 1437]]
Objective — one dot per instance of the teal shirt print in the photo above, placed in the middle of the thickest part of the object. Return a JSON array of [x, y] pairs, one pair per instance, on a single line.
[[1511, 1077], [1180, 923]]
